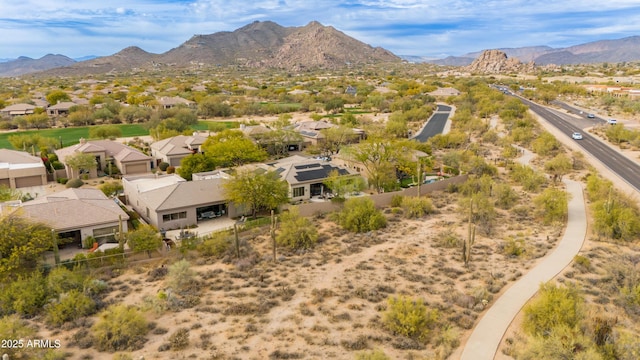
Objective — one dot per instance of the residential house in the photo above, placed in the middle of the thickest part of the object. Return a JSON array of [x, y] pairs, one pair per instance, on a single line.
[[76, 214], [445, 92], [128, 160], [170, 102], [18, 110], [60, 109], [311, 132], [290, 141], [173, 150], [19, 169], [170, 202]]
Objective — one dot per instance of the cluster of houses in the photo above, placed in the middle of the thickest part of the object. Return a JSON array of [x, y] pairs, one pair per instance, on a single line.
[[165, 201]]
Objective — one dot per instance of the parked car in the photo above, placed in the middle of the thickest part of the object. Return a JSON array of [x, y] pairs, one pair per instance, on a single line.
[[612, 121], [576, 136], [591, 116]]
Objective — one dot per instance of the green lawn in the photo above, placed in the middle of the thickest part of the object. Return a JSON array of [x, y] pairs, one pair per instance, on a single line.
[[72, 135]]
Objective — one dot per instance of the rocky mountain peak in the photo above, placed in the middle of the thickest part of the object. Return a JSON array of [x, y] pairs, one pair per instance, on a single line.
[[496, 62]]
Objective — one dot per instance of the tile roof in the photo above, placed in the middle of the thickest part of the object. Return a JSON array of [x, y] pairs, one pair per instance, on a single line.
[[117, 150], [185, 194], [178, 145], [74, 208], [18, 157]]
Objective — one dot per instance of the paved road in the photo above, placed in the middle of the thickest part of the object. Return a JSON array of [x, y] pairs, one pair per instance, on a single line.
[[435, 125], [627, 169], [487, 335]]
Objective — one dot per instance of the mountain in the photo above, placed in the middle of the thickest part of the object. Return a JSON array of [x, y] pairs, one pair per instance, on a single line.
[[257, 45], [612, 51], [24, 65]]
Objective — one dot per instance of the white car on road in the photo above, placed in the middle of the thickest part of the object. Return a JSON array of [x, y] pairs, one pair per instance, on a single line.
[[576, 136]]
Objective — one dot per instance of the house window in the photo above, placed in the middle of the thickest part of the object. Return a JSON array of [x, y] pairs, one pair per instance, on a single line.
[[174, 216], [299, 191]]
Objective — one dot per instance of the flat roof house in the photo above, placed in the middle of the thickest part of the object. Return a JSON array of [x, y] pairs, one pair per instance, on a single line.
[[76, 214], [172, 150], [19, 169], [171, 202], [128, 160]]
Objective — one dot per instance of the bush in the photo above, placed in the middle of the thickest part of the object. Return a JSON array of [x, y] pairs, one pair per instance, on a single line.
[[215, 245], [179, 340], [296, 232], [120, 328], [25, 296], [13, 328], [409, 317], [171, 169], [416, 207], [555, 306], [553, 205], [360, 215], [63, 180], [74, 183], [372, 355], [180, 276], [71, 306], [61, 280], [163, 166]]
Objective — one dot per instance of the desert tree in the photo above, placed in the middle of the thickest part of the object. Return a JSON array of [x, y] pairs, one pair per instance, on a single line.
[[22, 243], [105, 132], [552, 205], [360, 215], [195, 163], [120, 328], [232, 148], [342, 185], [257, 191], [144, 239], [558, 167], [80, 162]]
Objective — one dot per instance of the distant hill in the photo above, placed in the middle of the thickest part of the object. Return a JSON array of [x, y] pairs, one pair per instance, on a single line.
[[25, 65], [256, 45], [611, 51]]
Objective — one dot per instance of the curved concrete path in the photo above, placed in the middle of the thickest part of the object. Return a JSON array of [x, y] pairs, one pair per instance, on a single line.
[[487, 335]]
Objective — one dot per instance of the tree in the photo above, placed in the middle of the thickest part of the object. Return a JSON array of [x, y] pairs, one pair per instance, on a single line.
[[7, 193], [144, 238], [360, 215], [334, 138], [559, 166], [379, 157], [111, 188], [257, 191], [81, 162], [195, 163], [25, 295], [342, 185], [232, 148], [56, 96], [22, 243], [296, 232], [105, 132], [38, 121], [552, 205], [555, 306]]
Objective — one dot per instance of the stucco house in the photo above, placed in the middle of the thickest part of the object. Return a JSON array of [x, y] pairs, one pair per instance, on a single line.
[[19, 169], [18, 110], [76, 214], [171, 202], [173, 101], [172, 150], [60, 109], [127, 159]]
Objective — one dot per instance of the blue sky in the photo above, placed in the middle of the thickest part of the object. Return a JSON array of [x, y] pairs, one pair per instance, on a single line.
[[431, 28]]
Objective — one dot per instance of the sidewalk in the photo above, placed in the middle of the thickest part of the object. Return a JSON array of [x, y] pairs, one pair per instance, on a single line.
[[487, 335]]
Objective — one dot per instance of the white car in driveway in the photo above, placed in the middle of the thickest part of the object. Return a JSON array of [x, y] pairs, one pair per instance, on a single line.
[[612, 121], [576, 136]]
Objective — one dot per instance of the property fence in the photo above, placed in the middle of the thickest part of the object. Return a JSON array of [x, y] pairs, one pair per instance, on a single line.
[[384, 199]]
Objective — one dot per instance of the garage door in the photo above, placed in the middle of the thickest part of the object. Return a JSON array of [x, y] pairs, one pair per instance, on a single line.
[[136, 168], [28, 181], [175, 162], [5, 182]]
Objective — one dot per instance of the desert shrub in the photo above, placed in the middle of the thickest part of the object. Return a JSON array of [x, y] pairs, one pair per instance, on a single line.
[[71, 306], [12, 328], [582, 262], [25, 296], [110, 188], [409, 317], [360, 215], [545, 144], [552, 205], [555, 306], [296, 232], [62, 180], [372, 355], [179, 340], [120, 328], [563, 342], [530, 179], [215, 245], [181, 276], [514, 246], [448, 239], [396, 200], [74, 183], [416, 207], [505, 196], [163, 166], [171, 169], [61, 280]]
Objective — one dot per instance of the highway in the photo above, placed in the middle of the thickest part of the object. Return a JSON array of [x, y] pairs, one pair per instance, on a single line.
[[435, 124], [627, 169]]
